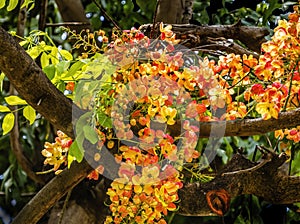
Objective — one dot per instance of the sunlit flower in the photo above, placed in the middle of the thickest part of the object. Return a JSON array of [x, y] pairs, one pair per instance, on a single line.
[[168, 115], [267, 110]]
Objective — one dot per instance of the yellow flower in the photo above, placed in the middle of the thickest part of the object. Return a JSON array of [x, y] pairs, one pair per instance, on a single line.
[[167, 115], [267, 110], [185, 79]]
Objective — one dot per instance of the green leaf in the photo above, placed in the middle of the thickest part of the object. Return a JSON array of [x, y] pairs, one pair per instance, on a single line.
[[26, 3], [44, 60], [61, 86], [90, 134], [62, 66], [81, 122], [74, 68], [66, 54], [104, 120], [12, 5], [2, 4], [50, 71], [2, 76], [14, 100], [76, 149], [30, 114], [4, 109], [70, 160], [8, 123]]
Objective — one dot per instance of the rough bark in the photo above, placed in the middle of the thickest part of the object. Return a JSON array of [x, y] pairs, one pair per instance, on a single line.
[[194, 36], [241, 176], [55, 107], [170, 11], [188, 11]]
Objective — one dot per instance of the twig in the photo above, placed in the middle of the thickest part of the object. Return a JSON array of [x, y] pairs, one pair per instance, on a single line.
[[106, 15], [66, 24], [251, 169], [154, 18], [65, 206]]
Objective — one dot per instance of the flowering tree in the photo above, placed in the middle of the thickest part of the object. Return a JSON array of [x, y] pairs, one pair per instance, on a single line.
[[146, 115]]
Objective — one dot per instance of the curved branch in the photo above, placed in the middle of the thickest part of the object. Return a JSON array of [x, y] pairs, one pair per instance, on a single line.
[[194, 35], [241, 176]]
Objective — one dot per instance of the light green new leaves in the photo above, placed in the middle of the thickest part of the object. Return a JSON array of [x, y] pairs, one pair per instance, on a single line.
[[15, 100], [26, 4], [8, 123], [29, 113], [4, 109], [90, 134], [8, 120], [13, 4], [2, 4]]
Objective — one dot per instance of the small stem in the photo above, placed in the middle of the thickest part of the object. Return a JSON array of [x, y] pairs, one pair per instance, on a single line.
[[171, 218], [45, 172], [290, 89], [65, 206], [106, 15]]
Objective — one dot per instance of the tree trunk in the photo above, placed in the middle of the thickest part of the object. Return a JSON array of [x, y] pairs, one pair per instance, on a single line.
[[73, 11]]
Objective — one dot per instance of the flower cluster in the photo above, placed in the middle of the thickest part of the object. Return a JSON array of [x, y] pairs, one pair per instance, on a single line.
[[144, 196], [291, 134], [56, 153]]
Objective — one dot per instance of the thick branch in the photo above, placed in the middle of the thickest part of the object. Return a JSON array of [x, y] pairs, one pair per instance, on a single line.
[[196, 36], [243, 127], [239, 177], [249, 127]]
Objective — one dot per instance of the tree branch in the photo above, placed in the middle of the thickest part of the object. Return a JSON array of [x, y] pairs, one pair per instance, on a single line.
[[266, 181], [220, 45], [194, 35]]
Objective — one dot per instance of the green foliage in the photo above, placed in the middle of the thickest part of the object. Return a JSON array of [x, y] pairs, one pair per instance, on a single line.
[[8, 123], [29, 113], [126, 13], [230, 12], [12, 4]]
